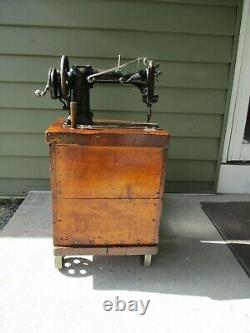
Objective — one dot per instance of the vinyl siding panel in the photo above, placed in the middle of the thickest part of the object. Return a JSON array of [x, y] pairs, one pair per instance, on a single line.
[[172, 100], [91, 14], [192, 40], [195, 2], [32, 144], [36, 167], [183, 125], [107, 43]]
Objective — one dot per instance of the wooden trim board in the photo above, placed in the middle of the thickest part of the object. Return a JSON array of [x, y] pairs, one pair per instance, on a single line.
[[106, 251]]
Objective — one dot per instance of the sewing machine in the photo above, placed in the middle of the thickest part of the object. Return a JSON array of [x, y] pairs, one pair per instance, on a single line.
[[107, 177], [71, 85]]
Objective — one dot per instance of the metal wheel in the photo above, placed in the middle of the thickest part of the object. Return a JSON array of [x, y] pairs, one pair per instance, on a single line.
[[53, 83], [58, 262], [64, 69], [146, 260]]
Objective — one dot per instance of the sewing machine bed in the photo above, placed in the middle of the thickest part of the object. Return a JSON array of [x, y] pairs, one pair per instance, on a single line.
[[107, 187]]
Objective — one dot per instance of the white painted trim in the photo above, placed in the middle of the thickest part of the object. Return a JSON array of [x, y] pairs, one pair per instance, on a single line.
[[236, 80], [245, 152], [234, 179], [242, 101]]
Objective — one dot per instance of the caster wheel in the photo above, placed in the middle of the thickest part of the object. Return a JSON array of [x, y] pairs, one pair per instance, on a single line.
[[58, 262], [146, 260]]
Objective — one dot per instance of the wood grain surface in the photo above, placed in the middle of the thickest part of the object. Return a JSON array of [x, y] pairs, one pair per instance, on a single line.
[[107, 186], [81, 222], [135, 137], [106, 172], [106, 251]]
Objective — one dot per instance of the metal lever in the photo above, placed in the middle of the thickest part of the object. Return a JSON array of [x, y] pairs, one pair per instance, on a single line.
[[41, 93]]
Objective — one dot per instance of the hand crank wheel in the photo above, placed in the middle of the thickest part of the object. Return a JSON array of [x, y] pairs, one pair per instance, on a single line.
[[53, 83], [64, 69]]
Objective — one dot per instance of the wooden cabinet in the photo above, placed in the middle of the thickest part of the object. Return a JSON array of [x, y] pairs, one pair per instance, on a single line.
[[107, 186]]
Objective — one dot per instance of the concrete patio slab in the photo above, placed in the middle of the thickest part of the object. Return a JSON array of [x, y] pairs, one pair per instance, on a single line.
[[193, 285]]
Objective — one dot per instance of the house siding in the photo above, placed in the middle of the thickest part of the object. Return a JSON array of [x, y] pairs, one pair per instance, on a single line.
[[192, 40]]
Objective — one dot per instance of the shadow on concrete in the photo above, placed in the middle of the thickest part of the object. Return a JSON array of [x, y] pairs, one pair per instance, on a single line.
[[182, 267]]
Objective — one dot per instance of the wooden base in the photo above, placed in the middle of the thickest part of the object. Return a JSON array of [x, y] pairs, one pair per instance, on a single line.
[[145, 252], [106, 251]]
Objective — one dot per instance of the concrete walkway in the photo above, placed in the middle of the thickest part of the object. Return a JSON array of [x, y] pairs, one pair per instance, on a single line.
[[193, 285]]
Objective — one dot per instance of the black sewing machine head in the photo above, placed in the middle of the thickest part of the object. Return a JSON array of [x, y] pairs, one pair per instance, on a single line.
[[71, 85]]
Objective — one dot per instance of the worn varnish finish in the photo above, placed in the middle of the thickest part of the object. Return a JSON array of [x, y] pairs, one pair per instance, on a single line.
[[56, 134], [107, 185], [106, 221], [107, 172]]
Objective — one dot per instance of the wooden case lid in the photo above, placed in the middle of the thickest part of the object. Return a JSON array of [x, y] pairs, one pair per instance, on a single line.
[[138, 137]]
